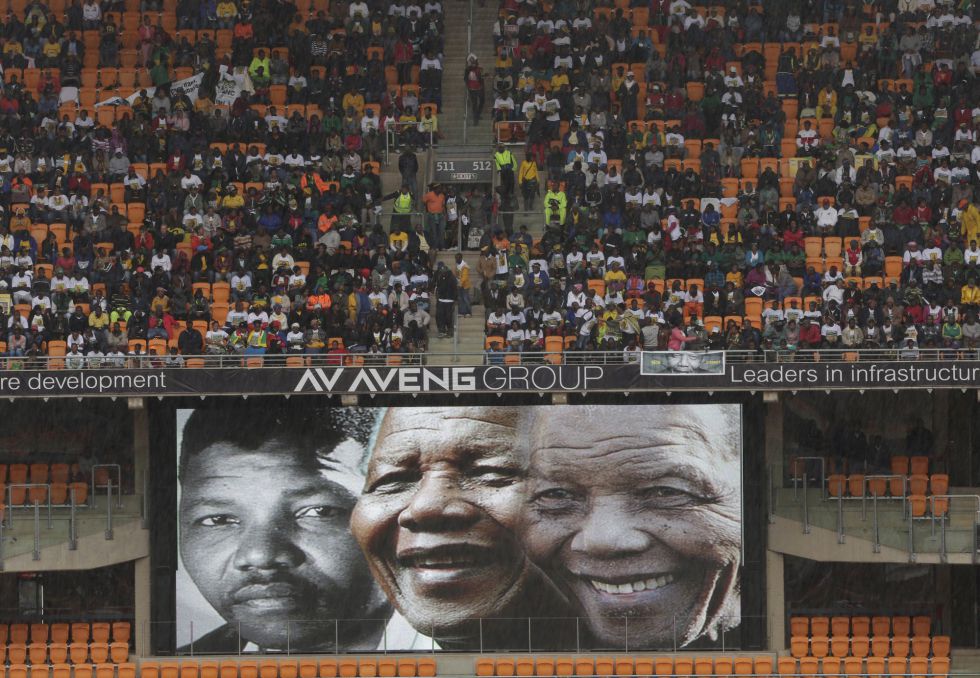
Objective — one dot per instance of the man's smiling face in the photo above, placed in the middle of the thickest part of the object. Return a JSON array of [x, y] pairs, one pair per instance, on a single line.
[[437, 517], [637, 512]]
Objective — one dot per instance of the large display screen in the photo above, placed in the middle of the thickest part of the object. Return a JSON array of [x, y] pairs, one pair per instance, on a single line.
[[308, 529]]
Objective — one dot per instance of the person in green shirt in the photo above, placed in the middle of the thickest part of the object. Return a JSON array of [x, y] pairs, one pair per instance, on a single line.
[[952, 333]]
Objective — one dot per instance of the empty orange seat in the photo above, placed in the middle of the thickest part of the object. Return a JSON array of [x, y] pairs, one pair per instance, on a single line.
[[624, 666], [407, 668], [524, 666], [58, 653], [564, 666], [268, 668], [427, 667], [367, 667], [484, 666], [348, 668], [860, 645], [209, 669], [786, 666], [227, 669], [940, 646], [544, 666], [819, 646], [506, 666], [99, 653], [763, 666], [799, 646], [190, 669], [643, 666], [584, 666], [127, 670], [875, 667], [840, 646], [880, 646], [329, 668], [663, 666], [38, 653], [902, 626], [78, 652], [860, 626], [901, 646], [100, 632], [172, 669]]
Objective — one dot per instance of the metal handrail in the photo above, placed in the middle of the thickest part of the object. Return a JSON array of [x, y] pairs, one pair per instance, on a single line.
[[568, 357], [118, 469]]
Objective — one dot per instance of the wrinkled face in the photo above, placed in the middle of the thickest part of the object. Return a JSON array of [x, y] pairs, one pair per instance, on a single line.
[[265, 537], [437, 517], [637, 513], [683, 361]]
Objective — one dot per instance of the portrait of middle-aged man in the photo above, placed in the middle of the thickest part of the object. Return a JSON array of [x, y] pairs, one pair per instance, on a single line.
[[635, 514], [437, 518], [266, 495]]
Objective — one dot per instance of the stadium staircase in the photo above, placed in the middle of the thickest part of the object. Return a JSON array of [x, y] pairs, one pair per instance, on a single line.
[[826, 529], [31, 543], [470, 331], [454, 62]]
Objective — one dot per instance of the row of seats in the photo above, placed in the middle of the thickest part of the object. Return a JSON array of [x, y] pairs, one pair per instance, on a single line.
[[59, 494], [125, 670], [60, 653], [863, 646], [352, 667], [842, 625], [872, 667], [859, 485], [623, 666], [74, 632]]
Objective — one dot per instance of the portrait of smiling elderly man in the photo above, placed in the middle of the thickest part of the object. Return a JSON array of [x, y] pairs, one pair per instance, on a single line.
[[266, 495], [635, 514], [437, 519]]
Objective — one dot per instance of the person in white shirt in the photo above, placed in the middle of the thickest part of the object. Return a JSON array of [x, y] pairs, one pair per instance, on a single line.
[[241, 286], [912, 253], [826, 216], [971, 257], [807, 139], [834, 292], [161, 259]]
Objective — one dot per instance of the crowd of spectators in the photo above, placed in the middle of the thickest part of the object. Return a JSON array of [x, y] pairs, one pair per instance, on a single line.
[[173, 223], [747, 175]]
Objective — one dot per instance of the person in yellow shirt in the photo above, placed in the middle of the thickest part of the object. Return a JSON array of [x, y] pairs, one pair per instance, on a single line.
[[735, 277], [527, 179], [970, 294], [827, 102], [559, 79], [51, 52], [232, 200], [227, 12], [615, 277], [970, 219], [260, 60], [354, 100]]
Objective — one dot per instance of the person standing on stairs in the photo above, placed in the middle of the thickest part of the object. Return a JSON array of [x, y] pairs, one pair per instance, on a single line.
[[446, 293], [473, 76], [408, 166]]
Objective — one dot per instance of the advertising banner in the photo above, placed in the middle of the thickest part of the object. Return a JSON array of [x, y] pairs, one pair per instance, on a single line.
[[654, 373], [349, 529]]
